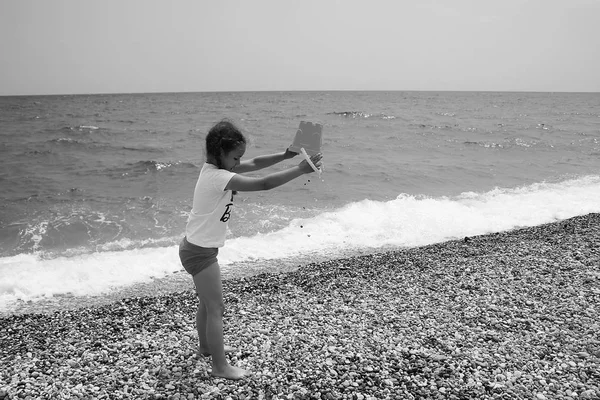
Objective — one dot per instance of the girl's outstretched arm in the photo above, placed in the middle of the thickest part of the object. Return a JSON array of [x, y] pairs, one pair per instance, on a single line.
[[265, 161], [243, 183]]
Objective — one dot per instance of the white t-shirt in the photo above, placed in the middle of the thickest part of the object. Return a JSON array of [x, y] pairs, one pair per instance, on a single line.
[[208, 220]]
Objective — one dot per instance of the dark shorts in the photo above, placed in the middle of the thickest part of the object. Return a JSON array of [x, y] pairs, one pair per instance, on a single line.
[[195, 258]]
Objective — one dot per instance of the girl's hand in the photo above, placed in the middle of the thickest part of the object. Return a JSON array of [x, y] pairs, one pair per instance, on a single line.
[[289, 154], [316, 160]]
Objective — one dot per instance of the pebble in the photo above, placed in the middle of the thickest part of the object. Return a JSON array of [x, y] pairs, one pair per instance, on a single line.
[[479, 320]]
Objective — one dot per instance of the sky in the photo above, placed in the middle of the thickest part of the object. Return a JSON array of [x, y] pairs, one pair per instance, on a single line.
[[142, 46]]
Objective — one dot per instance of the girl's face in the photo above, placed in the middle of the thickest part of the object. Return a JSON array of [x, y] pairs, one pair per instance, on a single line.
[[233, 158]]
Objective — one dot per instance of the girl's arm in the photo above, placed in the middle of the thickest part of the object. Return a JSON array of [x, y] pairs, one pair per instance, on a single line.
[[261, 162], [243, 183]]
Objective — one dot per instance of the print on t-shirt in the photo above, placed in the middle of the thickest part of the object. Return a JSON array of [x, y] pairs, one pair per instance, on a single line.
[[227, 214]]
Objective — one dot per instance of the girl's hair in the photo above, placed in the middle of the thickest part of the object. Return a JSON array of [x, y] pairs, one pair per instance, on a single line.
[[221, 139]]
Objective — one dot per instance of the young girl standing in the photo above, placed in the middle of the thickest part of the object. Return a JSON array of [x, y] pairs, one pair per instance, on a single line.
[[207, 224]]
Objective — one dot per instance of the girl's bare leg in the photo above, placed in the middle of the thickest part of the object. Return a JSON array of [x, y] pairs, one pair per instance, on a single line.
[[201, 324], [210, 291], [203, 350]]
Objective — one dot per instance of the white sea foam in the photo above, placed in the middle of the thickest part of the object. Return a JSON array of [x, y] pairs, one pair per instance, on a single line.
[[29, 277], [405, 221], [416, 221]]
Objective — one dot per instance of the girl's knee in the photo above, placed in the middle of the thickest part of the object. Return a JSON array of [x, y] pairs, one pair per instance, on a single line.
[[215, 308]]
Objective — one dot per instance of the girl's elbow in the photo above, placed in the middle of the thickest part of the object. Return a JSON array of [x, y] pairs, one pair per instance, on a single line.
[[268, 185]]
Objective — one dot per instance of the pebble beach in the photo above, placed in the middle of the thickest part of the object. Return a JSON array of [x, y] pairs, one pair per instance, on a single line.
[[511, 315]]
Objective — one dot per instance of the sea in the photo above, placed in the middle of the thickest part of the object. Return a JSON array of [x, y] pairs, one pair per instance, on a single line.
[[95, 189]]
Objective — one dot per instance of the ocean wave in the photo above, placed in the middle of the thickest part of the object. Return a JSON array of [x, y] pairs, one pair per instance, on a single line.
[[361, 114], [80, 128], [151, 166], [130, 244], [37, 152], [64, 140], [544, 127], [419, 220], [145, 149], [29, 277], [365, 225], [432, 126], [83, 144], [74, 228], [488, 145], [508, 144], [98, 144], [77, 228]]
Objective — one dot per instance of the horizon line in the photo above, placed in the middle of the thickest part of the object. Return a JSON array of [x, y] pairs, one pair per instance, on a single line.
[[297, 91]]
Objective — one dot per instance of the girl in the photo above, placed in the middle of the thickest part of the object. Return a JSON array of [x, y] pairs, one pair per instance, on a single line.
[[207, 224]]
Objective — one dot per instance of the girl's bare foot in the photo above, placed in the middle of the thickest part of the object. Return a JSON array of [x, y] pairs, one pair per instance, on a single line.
[[204, 351], [230, 372]]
